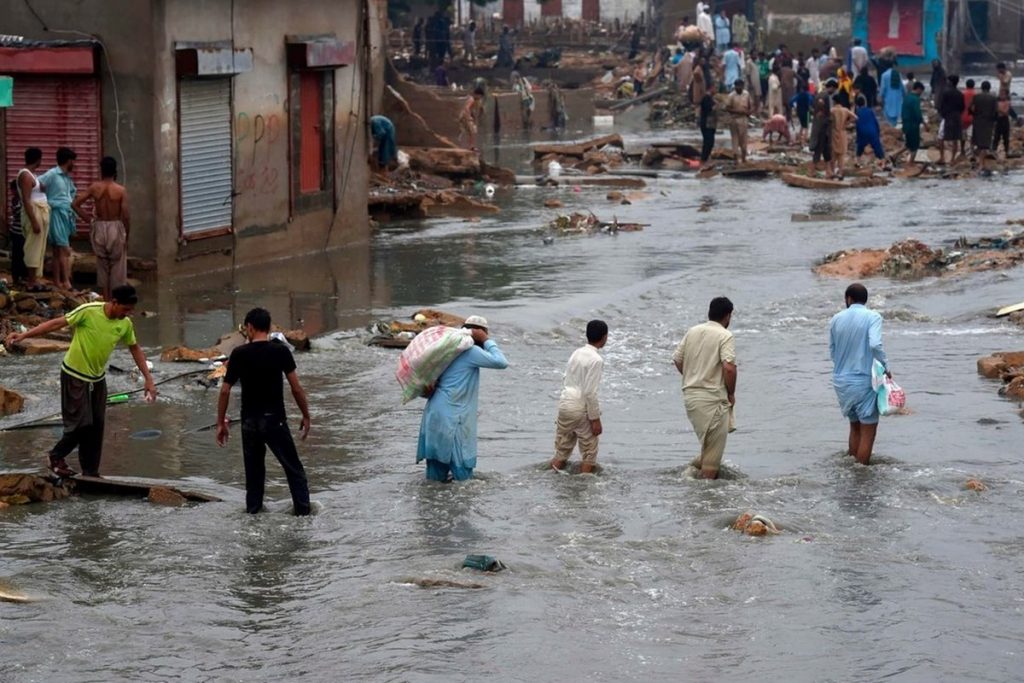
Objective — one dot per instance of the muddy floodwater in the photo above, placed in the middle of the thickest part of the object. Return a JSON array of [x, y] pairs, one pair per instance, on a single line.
[[888, 572]]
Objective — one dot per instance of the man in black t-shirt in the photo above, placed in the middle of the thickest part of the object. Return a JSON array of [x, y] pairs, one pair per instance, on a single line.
[[259, 366]]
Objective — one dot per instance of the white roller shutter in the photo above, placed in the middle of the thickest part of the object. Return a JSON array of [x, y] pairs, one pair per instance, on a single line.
[[206, 168]]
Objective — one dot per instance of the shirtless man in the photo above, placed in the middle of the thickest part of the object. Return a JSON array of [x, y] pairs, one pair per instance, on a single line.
[[109, 234]]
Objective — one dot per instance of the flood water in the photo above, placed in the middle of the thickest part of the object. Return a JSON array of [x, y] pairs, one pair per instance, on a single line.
[[886, 572]]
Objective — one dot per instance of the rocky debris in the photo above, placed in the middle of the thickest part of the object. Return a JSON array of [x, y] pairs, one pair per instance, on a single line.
[[449, 203], [40, 345], [444, 161], [754, 525], [11, 402], [1007, 366], [914, 259], [160, 495], [20, 489], [416, 195], [583, 224], [579, 149], [1014, 389], [226, 344], [397, 334]]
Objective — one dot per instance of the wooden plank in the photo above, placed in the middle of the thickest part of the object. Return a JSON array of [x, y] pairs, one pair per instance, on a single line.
[[139, 488]]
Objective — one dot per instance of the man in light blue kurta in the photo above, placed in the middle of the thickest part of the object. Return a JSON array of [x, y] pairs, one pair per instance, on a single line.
[[855, 342], [60, 193], [448, 428], [731, 60]]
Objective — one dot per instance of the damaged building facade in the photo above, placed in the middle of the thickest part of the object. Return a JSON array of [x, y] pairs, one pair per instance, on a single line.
[[240, 127], [914, 29]]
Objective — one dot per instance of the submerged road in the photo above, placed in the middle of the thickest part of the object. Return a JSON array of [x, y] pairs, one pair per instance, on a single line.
[[892, 571]]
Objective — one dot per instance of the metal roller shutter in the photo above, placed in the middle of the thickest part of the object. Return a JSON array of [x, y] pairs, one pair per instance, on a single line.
[[206, 165], [51, 112]]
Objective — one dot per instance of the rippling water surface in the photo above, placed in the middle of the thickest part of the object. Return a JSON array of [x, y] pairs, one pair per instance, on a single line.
[[891, 571]]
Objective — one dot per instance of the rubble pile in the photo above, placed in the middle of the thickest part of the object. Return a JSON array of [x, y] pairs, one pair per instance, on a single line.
[[591, 156], [913, 259], [21, 489], [21, 310], [396, 334], [588, 224], [1007, 366]]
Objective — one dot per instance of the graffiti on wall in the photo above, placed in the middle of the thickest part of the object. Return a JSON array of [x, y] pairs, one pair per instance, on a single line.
[[255, 137]]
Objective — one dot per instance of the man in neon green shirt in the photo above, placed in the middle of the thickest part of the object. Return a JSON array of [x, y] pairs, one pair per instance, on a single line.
[[97, 328]]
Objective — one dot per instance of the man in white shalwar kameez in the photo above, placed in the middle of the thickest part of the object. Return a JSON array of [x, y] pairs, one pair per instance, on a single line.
[[579, 412]]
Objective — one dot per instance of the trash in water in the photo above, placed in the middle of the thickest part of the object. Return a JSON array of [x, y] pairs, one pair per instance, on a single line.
[[147, 435], [484, 563]]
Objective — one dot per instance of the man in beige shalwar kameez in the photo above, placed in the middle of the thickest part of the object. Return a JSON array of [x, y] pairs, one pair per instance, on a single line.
[[706, 358]]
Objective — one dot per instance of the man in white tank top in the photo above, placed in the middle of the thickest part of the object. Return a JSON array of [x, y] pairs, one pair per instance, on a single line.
[[35, 217]]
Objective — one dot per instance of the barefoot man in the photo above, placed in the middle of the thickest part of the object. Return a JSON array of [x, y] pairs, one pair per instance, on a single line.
[[706, 358], [109, 234], [579, 413], [97, 328], [855, 342]]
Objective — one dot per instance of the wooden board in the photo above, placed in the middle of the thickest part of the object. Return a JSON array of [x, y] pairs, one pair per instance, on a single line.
[[137, 488], [811, 183], [1007, 310]]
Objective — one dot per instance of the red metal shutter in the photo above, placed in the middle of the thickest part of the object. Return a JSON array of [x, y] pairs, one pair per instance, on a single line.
[[551, 8], [591, 10], [512, 13], [311, 149], [51, 112]]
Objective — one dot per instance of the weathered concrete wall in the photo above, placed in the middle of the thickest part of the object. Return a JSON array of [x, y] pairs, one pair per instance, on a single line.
[[804, 24], [265, 224], [122, 26]]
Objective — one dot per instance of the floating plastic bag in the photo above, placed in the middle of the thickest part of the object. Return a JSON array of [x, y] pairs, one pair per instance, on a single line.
[[890, 396], [427, 356]]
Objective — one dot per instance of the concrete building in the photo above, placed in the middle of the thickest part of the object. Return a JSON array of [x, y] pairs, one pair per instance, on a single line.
[[993, 31], [240, 126], [521, 12], [914, 29]]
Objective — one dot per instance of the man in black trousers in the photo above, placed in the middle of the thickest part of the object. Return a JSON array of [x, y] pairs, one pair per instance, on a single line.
[[259, 366]]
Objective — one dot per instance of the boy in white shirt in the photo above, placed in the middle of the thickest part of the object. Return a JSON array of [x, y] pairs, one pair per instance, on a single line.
[[579, 414]]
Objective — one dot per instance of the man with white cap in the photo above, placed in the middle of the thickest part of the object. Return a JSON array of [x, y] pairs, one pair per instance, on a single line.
[[448, 429]]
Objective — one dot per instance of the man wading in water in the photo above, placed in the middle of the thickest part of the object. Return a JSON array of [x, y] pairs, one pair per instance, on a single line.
[[706, 358], [447, 438], [855, 342], [579, 413], [97, 329], [259, 366]]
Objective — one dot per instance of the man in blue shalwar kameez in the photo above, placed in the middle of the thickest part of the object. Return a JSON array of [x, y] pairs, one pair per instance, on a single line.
[[855, 342], [448, 429]]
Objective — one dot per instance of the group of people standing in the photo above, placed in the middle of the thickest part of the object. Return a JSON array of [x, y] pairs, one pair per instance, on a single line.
[[45, 209], [705, 359], [824, 97]]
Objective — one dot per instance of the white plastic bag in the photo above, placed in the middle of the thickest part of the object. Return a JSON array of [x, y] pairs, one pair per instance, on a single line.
[[891, 398]]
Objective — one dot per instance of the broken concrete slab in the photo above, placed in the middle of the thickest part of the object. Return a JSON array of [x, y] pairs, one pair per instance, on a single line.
[[578, 149], [11, 402], [37, 346], [444, 161]]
